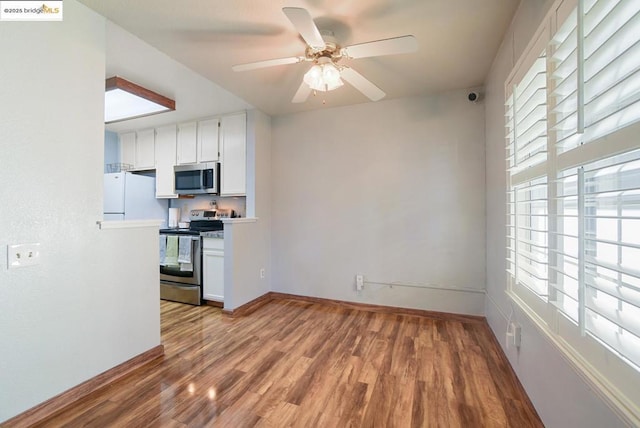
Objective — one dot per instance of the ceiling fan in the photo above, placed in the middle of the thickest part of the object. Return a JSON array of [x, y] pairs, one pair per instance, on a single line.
[[323, 50]]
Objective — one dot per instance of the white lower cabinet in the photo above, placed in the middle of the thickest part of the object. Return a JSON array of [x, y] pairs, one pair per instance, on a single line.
[[213, 269]]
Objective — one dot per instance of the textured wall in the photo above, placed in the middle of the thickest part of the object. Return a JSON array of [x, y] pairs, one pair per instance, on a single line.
[[393, 190], [93, 302]]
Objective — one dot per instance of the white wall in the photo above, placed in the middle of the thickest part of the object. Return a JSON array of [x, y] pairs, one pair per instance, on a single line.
[[93, 302], [561, 398], [111, 149], [393, 190]]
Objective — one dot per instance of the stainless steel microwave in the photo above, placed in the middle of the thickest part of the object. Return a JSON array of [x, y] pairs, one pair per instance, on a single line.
[[197, 179]]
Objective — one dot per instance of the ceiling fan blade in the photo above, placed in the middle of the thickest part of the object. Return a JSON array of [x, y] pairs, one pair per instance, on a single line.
[[396, 45], [302, 94], [267, 63], [303, 22], [359, 82]]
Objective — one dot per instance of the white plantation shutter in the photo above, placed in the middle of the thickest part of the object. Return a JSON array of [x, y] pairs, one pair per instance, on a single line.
[[573, 195], [602, 279], [565, 75], [612, 253], [511, 233], [526, 112], [565, 287], [531, 249], [611, 66], [526, 139], [510, 131]]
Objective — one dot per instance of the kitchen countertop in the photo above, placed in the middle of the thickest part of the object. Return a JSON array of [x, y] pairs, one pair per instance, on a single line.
[[128, 224], [213, 234], [239, 220]]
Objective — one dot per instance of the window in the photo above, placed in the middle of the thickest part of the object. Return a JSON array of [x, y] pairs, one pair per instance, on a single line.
[[528, 235], [612, 253], [573, 206], [527, 212], [598, 264], [611, 66], [527, 119]]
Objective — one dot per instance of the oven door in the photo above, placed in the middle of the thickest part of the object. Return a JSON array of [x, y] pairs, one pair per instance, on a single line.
[[180, 275]]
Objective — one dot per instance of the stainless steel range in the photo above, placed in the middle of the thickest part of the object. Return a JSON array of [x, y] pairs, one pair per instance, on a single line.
[[181, 256]]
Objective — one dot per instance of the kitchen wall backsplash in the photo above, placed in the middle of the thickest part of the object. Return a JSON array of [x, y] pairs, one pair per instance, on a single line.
[[237, 203]]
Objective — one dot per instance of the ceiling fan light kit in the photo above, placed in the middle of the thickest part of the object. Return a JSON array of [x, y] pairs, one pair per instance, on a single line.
[[322, 49], [323, 76]]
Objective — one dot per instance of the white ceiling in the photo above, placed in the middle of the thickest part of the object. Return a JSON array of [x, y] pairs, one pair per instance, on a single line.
[[457, 41]]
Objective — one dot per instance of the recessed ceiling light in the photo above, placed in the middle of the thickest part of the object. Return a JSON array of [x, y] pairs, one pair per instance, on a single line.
[[125, 100]]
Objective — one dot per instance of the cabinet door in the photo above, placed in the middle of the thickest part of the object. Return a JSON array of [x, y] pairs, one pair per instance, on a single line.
[[208, 140], [213, 275], [233, 154], [165, 161], [128, 149], [187, 147], [145, 149]]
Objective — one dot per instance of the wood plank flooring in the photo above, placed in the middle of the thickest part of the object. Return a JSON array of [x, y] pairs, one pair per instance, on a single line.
[[302, 364]]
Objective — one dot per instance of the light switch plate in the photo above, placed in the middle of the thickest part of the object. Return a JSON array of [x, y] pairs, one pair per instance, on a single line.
[[22, 255]]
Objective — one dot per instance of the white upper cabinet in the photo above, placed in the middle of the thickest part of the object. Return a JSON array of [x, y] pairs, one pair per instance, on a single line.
[[165, 161], [208, 140], [138, 149], [128, 149], [145, 149], [221, 139], [233, 155], [198, 142], [187, 144]]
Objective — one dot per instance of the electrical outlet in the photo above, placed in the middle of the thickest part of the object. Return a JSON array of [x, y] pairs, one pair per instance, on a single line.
[[262, 273], [517, 335], [514, 335], [21, 255], [359, 282]]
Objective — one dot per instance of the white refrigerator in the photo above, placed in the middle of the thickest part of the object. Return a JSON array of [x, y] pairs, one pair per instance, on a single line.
[[130, 196]]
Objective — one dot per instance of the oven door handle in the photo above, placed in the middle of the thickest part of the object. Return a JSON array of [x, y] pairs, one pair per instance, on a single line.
[[193, 238]]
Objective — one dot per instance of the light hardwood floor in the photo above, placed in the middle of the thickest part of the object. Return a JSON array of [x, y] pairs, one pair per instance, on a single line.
[[296, 363]]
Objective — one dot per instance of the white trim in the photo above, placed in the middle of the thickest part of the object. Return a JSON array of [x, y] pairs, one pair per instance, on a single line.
[[529, 174], [128, 224], [612, 396], [537, 44], [622, 140], [498, 308], [560, 11], [580, 67], [240, 220]]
